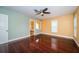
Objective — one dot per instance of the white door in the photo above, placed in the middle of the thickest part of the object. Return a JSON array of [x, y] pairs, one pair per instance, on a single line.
[[3, 28]]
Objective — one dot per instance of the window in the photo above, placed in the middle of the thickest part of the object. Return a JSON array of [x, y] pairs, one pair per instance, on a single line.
[[75, 25], [37, 26], [54, 25]]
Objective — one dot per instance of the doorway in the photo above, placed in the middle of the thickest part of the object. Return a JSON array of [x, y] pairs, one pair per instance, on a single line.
[[32, 27], [3, 28]]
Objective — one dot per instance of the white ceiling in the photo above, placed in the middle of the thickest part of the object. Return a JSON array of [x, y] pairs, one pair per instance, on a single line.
[[55, 10]]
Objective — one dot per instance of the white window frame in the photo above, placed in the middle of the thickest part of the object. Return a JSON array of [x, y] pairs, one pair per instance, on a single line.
[[37, 26], [75, 25], [54, 27]]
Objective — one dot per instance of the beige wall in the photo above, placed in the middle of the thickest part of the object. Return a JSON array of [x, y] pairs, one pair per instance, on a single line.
[[77, 13], [65, 25]]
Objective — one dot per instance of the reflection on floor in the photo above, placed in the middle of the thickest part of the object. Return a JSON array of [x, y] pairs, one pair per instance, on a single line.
[[41, 44]]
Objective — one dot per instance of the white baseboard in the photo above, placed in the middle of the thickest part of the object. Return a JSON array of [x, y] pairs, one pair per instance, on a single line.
[[14, 39], [76, 41], [57, 35], [38, 34], [23, 37], [18, 38]]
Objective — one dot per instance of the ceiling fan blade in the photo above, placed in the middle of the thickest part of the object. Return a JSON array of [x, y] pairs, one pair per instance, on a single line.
[[38, 13], [36, 10], [47, 12], [45, 9], [42, 12]]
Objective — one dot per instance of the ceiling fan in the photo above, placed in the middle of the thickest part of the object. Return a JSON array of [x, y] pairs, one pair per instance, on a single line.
[[42, 12]]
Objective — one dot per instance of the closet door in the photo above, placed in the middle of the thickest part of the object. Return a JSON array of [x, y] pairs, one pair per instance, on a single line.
[[3, 28], [32, 24]]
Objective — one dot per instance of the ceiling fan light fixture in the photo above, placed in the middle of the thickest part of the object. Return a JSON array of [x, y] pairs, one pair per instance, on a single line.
[[42, 12]]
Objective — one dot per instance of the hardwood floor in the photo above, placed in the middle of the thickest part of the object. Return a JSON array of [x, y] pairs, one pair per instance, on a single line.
[[40, 44]]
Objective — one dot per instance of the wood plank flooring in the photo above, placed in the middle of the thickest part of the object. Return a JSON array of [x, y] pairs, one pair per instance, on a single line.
[[40, 44]]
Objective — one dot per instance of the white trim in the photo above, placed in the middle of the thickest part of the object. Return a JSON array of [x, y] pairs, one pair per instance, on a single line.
[[19, 38], [14, 39], [76, 41], [38, 34], [23, 37], [57, 35]]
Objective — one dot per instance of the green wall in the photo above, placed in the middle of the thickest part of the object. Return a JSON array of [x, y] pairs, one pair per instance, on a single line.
[[18, 24]]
